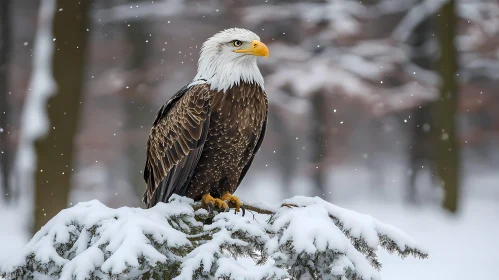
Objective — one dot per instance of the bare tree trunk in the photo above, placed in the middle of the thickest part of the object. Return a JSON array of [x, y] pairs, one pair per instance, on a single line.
[[447, 149], [55, 151], [318, 141], [421, 142], [5, 150]]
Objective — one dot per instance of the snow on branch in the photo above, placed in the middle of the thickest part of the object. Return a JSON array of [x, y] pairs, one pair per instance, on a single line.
[[304, 238], [144, 10], [341, 15], [415, 16]]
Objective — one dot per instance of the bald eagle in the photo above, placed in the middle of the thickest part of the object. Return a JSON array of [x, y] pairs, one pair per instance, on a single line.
[[205, 137]]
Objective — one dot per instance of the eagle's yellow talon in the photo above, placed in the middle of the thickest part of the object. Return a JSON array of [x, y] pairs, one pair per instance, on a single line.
[[218, 203], [233, 199]]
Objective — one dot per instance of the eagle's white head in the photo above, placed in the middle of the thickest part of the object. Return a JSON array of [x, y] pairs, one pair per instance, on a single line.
[[229, 57]]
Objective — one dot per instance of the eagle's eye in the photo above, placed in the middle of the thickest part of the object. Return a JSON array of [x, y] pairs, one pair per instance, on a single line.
[[237, 43]]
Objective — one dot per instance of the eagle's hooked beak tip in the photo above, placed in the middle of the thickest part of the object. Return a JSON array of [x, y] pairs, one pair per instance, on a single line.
[[260, 49], [257, 48]]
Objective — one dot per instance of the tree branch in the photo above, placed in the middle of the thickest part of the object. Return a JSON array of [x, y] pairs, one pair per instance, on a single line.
[[248, 207]]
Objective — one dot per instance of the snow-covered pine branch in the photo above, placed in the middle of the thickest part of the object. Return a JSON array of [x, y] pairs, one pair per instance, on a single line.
[[304, 238]]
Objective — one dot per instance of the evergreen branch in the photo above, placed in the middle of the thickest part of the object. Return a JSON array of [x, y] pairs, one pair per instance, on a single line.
[[169, 241]]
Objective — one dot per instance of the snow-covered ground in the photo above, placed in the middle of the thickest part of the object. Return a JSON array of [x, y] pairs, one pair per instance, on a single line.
[[461, 247], [12, 234]]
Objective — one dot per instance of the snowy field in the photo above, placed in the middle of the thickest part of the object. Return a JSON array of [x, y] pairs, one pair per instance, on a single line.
[[461, 247]]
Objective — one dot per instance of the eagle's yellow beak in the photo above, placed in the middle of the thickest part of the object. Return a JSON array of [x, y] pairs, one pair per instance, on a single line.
[[256, 48]]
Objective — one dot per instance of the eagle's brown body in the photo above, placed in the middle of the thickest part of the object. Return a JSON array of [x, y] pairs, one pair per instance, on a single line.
[[203, 141]]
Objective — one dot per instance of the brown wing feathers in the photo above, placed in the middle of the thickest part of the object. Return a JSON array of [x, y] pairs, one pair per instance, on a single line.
[[176, 143]]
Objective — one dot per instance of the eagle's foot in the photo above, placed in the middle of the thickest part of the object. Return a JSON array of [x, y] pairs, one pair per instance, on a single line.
[[234, 200], [212, 202]]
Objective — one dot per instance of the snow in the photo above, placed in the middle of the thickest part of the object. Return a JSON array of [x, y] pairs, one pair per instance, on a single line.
[[319, 235], [91, 239], [13, 235], [83, 264], [355, 69], [91, 230], [316, 77], [128, 11], [359, 226], [248, 270], [341, 15], [34, 124], [460, 247], [484, 13], [416, 15], [159, 9], [462, 241]]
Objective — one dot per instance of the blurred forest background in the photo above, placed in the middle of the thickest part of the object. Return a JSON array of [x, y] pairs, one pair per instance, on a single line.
[[384, 106]]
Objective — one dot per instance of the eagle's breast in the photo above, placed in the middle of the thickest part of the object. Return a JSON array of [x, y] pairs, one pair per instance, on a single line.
[[239, 112], [236, 122]]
